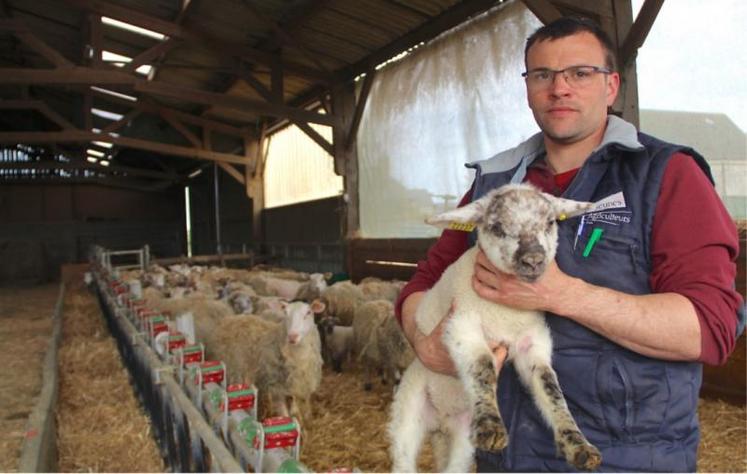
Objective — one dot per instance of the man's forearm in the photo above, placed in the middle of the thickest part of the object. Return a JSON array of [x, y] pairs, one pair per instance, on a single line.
[[663, 325]]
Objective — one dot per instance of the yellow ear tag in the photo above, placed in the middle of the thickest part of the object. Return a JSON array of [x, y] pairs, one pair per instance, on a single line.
[[463, 226], [562, 217]]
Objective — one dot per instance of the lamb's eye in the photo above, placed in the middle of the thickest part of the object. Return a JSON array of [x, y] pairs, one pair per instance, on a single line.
[[497, 229], [550, 223]]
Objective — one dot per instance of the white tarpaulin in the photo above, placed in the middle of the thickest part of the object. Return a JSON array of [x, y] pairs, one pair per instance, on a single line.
[[458, 99]]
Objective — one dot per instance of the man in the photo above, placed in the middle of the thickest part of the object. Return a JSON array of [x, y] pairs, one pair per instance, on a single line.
[[642, 289]]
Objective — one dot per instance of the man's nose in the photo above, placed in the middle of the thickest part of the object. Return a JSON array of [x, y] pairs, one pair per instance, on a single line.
[[559, 84]]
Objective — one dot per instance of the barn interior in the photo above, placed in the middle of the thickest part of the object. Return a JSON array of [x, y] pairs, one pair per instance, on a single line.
[[132, 123]]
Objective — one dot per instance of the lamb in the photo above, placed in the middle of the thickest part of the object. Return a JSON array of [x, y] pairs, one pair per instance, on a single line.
[[517, 230], [290, 289], [337, 341], [282, 358], [341, 300]]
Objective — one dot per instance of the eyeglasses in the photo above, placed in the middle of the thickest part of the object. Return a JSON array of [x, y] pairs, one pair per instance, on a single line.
[[576, 76]]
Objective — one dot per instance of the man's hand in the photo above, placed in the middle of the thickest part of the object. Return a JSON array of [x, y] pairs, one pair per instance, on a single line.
[[493, 285], [430, 348]]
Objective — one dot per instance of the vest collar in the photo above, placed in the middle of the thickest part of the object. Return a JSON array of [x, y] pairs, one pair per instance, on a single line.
[[618, 133]]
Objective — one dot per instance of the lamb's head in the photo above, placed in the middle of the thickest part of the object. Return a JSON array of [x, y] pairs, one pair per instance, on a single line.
[[516, 227], [318, 283], [299, 319]]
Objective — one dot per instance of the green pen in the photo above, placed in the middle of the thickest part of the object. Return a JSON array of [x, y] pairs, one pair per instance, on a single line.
[[596, 234]]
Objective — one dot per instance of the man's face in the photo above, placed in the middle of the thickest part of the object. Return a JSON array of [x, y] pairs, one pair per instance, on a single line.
[[568, 114]]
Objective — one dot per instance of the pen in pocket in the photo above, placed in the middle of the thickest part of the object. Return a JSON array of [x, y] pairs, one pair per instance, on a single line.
[[579, 231], [596, 235]]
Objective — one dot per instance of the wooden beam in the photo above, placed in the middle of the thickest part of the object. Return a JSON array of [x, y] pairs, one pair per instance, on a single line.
[[96, 40], [81, 136], [184, 131], [192, 36], [151, 54], [126, 118], [39, 106], [51, 55], [544, 10], [235, 174], [640, 29], [73, 75], [230, 102], [155, 109], [360, 107], [286, 38]]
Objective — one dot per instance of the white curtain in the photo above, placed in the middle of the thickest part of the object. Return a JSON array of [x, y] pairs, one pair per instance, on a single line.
[[458, 99]]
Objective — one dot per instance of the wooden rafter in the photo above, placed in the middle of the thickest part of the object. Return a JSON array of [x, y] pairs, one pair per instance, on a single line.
[[39, 106], [90, 76], [150, 54], [192, 36], [82, 136], [233, 172], [544, 10], [360, 107], [184, 131], [126, 118], [640, 29]]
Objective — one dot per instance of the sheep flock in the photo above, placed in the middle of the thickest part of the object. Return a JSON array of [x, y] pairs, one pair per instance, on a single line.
[[277, 327]]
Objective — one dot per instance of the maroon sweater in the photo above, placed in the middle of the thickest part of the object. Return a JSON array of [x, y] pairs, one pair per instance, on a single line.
[[694, 247]]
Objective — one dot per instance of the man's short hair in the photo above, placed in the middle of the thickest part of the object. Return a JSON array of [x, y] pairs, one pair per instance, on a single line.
[[571, 25]]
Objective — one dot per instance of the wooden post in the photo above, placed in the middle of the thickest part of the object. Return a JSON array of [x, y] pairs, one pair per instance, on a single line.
[[626, 104]]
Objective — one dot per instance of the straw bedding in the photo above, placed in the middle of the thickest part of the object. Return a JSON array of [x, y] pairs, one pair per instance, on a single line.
[[102, 428]]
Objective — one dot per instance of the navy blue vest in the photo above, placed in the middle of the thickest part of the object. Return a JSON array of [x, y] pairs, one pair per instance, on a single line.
[[640, 412]]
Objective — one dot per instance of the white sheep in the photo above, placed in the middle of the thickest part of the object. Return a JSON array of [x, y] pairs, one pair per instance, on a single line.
[[517, 230], [282, 358]]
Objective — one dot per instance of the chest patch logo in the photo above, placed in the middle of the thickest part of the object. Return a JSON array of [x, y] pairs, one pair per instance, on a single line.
[[610, 210]]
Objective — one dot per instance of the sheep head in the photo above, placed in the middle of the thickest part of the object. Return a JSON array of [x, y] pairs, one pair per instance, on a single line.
[[516, 226]]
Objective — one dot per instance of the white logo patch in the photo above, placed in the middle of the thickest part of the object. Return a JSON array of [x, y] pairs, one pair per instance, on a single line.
[[610, 210]]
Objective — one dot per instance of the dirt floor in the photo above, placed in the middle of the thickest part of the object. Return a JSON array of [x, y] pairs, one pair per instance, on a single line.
[[347, 429]]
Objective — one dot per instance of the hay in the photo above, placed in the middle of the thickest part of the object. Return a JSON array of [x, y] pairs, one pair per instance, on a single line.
[[348, 427], [101, 427], [723, 440], [25, 327]]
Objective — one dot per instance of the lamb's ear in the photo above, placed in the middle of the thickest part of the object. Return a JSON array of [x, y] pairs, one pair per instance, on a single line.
[[469, 214], [318, 306], [565, 208]]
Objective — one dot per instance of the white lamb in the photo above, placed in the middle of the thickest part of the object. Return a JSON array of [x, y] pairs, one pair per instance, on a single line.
[[517, 230]]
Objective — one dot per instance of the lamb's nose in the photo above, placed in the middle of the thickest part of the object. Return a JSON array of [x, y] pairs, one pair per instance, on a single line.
[[533, 259]]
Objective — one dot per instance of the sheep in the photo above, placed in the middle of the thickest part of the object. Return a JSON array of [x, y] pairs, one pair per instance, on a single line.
[[369, 316], [282, 358], [517, 230], [341, 300], [337, 341], [397, 354], [381, 290], [206, 312], [290, 289]]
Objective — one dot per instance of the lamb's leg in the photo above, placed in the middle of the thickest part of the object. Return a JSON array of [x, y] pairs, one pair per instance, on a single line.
[[461, 450], [532, 362], [476, 368], [409, 419]]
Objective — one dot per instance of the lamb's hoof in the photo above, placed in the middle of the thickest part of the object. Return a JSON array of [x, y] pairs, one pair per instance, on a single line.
[[586, 457], [489, 433]]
